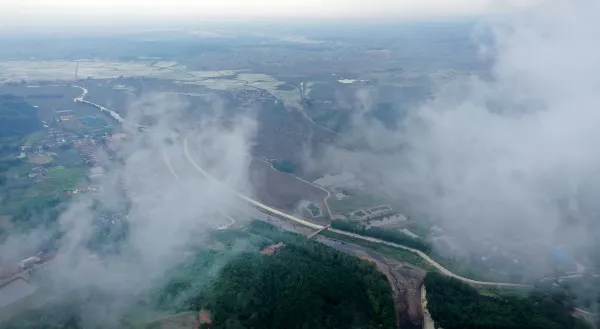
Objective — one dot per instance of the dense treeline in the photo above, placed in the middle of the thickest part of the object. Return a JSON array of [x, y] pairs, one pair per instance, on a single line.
[[456, 305], [17, 117], [303, 285], [382, 234]]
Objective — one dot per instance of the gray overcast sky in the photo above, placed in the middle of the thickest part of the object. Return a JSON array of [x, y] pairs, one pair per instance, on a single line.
[[15, 11]]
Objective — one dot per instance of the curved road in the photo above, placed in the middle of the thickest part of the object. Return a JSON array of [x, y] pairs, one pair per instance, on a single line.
[[172, 171], [303, 222], [435, 264]]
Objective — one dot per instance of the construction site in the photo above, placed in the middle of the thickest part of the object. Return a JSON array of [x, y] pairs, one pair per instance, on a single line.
[[405, 280]]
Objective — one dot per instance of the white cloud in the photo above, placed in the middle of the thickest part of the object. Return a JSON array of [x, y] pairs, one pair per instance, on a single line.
[[46, 9]]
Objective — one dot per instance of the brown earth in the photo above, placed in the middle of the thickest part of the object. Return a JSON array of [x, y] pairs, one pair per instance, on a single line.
[[406, 281], [177, 321], [283, 191]]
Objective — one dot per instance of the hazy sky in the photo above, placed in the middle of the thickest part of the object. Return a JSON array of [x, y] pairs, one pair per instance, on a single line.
[[15, 11]]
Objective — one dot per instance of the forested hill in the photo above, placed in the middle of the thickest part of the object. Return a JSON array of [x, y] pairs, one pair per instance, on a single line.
[[456, 305], [17, 117], [302, 285]]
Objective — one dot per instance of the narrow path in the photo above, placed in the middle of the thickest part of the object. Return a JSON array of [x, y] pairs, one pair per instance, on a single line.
[[303, 111]]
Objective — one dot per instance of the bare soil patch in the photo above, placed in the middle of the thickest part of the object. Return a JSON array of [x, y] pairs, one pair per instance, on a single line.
[[283, 191]]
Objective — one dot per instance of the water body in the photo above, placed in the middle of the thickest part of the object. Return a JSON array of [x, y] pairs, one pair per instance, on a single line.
[[81, 99]]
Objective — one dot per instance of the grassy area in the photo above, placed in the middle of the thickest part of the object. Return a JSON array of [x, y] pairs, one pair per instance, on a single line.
[[419, 228], [68, 158], [396, 253], [488, 292], [35, 137], [23, 169], [352, 203], [9, 144], [65, 178]]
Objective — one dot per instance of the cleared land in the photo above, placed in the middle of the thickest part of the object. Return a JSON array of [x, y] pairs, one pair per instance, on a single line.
[[281, 190], [65, 70], [352, 203], [404, 279]]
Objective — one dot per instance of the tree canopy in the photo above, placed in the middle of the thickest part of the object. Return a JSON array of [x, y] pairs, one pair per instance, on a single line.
[[302, 285], [17, 117], [456, 305]]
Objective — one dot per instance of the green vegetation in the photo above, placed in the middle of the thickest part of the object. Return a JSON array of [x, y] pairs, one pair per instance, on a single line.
[[6, 164], [360, 213], [31, 203], [382, 234], [456, 305], [419, 228], [9, 146], [396, 253], [314, 209], [284, 166], [65, 178], [587, 290], [17, 117], [35, 137], [352, 203], [303, 285]]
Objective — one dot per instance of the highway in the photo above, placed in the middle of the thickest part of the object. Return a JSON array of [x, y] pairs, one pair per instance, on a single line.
[[435, 264], [172, 171], [303, 222], [245, 198]]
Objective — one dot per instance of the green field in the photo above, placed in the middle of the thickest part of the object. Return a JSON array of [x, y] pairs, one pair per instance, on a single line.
[[65, 178], [68, 158], [35, 137], [352, 203], [304, 284]]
